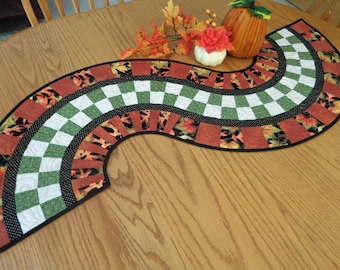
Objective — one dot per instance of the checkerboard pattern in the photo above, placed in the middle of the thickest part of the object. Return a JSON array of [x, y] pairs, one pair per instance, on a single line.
[[38, 190], [38, 193], [293, 88]]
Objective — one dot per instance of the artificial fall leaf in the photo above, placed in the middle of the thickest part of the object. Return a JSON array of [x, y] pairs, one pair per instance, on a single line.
[[175, 34], [171, 14], [185, 44], [191, 23], [128, 53], [198, 26], [160, 51], [182, 48]]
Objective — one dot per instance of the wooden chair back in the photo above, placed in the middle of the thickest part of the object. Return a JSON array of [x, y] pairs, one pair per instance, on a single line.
[[45, 8], [326, 10]]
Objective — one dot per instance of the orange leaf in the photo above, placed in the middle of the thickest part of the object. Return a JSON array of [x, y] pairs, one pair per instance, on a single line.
[[185, 44], [127, 53]]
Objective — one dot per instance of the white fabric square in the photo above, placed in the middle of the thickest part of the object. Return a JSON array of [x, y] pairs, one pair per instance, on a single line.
[[48, 193], [285, 33], [104, 105], [282, 42], [307, 80], [56, 121], [173, 88], [307, 64], [130, 98], [36, 149], [290, 83], [296, 97], [293, 69], [26, 182], [228, 101], [156, 97], [213, 111], [245, 113], [62, 138], [274, 93], [292, 55], [253, 100], [274, 108], [50, 164], [142, 86], [111, 90], [82, 102], [31, 218], [202, 97], [182, 102], [81, 119], [300, 47]]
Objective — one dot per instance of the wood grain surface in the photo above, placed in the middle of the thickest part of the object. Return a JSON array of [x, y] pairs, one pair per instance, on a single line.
[[172, 205]]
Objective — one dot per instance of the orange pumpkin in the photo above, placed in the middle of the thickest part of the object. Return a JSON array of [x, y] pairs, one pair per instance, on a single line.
[[248, 30]]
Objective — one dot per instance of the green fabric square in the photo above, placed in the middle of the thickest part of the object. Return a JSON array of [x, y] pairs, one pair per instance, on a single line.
[[196, 107], [117, 102], [293, 62], [276, 36], [241, 101], [188, 92], [293, 76], [96, 95], [282, 88], [127, 87], [215, 99], [54, 150], [169, 99], [286, 103], [157, 86], [229, 113], [288, 48], [264, 97], [53, 207], [26, 200], [293, 39], [45, 134], [305, 56], [143, 97], [70, 128], [308, 72], [303, 89], [260, 111], [68, 111], [29, 165], [92, 112], [48, 178]]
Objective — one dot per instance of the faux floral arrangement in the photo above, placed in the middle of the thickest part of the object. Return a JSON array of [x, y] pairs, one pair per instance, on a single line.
[[214, 39], [179, 33]]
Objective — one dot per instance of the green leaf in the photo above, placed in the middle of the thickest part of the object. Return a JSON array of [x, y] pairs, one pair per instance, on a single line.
[[260, 12], [241, 3], [257, 11]]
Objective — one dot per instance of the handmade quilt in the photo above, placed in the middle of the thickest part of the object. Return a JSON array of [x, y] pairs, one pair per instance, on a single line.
[[55, 143]]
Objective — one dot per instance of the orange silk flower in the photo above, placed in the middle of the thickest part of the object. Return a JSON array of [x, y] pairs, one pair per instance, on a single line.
[[215, 39]]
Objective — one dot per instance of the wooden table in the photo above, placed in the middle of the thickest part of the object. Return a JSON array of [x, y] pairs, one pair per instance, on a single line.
[[172, 205]]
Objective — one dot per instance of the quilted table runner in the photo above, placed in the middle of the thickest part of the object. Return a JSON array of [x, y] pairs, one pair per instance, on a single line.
[[54, 144]]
